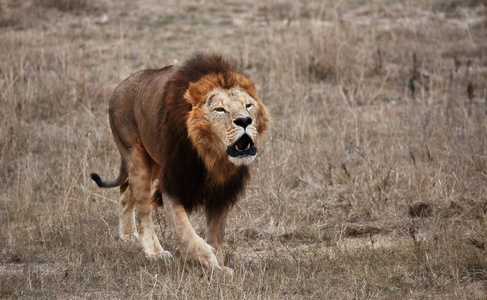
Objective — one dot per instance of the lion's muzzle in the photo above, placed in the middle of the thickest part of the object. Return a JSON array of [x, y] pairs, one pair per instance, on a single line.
[[243, 146]]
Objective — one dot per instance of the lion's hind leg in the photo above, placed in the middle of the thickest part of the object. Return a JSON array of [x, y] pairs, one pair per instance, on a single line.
[[127, 228], [140, 175]]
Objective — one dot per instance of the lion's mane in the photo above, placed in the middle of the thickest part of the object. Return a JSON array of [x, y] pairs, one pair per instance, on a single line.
[[195, 170]]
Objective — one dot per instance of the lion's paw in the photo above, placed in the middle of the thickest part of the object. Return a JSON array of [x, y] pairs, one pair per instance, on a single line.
[[203, 254], [164, 255], [208, 262], [216, 273]]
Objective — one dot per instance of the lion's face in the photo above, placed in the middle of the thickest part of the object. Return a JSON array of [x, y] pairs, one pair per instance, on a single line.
[[225, 125], [232, 115]]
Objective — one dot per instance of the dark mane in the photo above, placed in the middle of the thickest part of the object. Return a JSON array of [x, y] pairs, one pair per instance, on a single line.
[[202, 64], [184, 175], [195, 68]]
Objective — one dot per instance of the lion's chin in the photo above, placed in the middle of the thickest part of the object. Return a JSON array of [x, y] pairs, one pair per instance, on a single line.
[[242, 159]]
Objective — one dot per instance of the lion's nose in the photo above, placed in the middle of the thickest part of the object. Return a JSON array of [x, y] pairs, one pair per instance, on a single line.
[[243, 121]]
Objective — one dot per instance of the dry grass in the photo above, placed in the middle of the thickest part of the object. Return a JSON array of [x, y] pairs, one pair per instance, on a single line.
[[372, 183]]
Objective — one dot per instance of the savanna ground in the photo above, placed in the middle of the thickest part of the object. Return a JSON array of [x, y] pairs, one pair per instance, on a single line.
[[371, 185]]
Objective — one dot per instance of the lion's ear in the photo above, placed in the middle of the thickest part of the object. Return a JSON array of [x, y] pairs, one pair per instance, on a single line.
[[195, 94], [188, 95]]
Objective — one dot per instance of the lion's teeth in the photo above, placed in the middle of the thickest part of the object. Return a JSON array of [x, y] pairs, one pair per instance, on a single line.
[[236, 148], [248, 147]]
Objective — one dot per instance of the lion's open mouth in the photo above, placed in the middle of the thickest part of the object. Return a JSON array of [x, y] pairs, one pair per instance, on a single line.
[[244, 146]]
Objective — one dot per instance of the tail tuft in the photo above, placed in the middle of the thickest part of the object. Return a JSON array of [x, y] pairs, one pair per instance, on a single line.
[[121, 179], [97, 179]]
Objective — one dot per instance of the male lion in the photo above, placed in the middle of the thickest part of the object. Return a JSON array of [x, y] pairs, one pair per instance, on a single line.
[[185, 135]]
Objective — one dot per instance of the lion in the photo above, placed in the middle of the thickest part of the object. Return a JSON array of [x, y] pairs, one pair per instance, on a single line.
[[186, 136]]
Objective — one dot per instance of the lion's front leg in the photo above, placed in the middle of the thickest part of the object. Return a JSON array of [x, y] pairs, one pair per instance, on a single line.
[[192, 247], [215, 231]]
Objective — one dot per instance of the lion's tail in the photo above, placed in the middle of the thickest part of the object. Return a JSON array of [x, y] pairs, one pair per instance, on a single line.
[[122, 177]]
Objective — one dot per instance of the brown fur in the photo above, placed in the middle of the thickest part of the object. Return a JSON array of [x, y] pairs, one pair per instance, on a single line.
[[165, 131]]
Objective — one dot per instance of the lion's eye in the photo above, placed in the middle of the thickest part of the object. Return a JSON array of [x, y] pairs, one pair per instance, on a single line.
[[220, 109], [248, 106]]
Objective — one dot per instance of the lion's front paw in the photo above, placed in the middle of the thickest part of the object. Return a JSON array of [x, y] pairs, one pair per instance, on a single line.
[[218, 274], [199, 252], [165, 255]]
